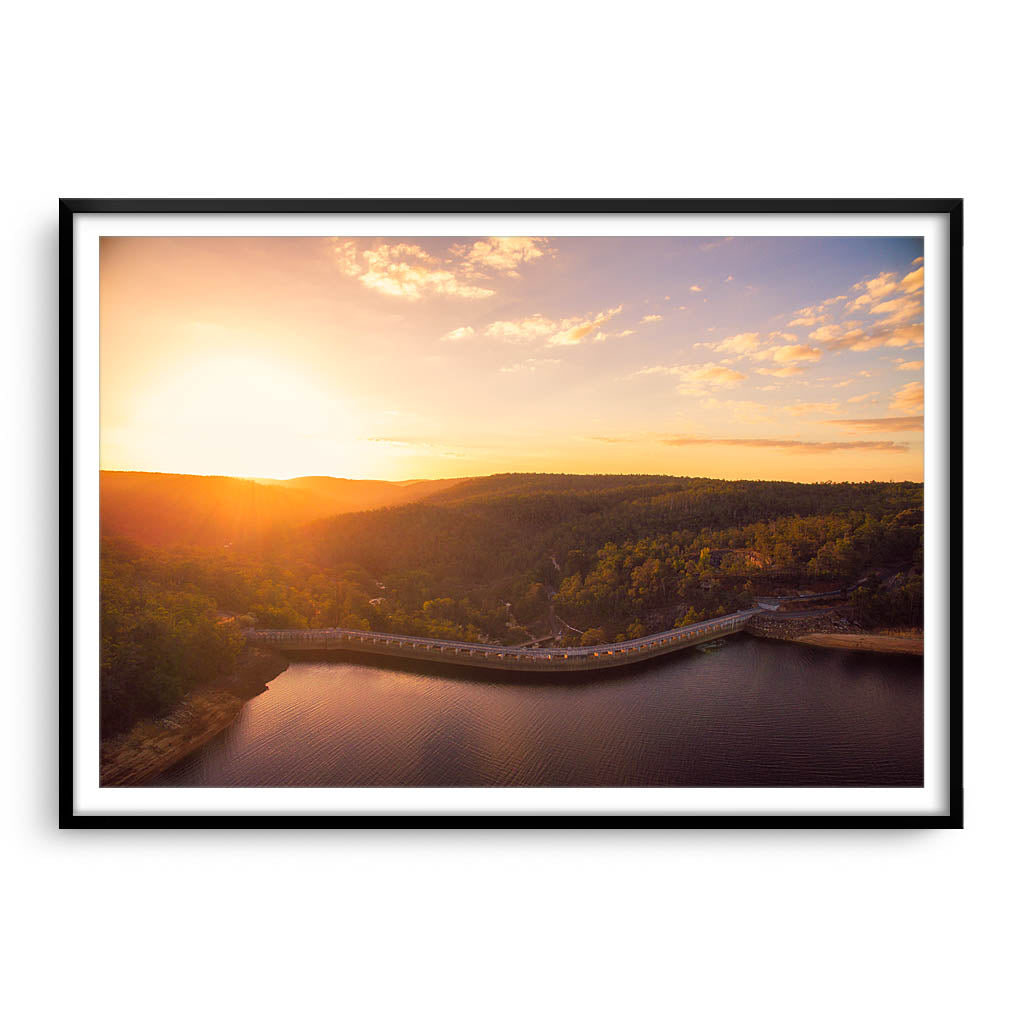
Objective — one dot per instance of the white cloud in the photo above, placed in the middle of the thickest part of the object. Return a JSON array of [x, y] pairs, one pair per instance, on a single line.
[[503, 255], [529, 328], [530, 365], [402, 271], [458, 334], [538, 328], [739, 343]]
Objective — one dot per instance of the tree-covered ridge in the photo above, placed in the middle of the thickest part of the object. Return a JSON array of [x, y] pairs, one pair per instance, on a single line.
[[481, 530]]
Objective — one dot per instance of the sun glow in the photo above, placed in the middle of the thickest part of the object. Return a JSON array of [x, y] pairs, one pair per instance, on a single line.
[[240, 415]]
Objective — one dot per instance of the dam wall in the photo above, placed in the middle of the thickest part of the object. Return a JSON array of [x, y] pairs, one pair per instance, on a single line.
[[494, 656]]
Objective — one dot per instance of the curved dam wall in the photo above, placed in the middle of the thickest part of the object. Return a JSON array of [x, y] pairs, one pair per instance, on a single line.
[[492, 656]]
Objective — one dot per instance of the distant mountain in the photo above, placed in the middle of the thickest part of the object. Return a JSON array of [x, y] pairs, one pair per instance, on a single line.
[[168, 509]]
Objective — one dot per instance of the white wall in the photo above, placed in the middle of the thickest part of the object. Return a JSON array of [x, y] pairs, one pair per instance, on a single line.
[[530, 99]]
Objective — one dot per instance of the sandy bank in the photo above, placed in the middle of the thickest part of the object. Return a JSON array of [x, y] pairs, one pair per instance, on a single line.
[[154, 746], [865, 642]]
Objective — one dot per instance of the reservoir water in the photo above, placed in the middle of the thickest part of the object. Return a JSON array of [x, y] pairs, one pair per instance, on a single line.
[[753, 713]]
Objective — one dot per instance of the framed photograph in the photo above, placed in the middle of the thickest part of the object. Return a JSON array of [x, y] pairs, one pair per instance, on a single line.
[[511, 512]]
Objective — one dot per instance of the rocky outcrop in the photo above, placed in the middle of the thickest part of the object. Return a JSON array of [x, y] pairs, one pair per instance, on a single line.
[[152, 747], [778, 628]]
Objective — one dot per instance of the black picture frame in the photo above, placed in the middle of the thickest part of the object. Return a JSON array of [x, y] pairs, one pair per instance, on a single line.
[[951, 208]]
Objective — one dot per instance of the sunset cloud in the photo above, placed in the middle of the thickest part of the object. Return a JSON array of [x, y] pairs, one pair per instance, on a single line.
[[783, 371], [898, 310], [458, 334], [403, 271], [526, 329], [696, 288], [810, 408], [739, 343], [909, 398], [530, 365], [576, 329], [796, 354], [796, 447], [503, 255], [873, 290], [698, 378], [833, 332], [863, 398], [915, 364], [651, 318], [556, 333], [913, 282], [859, 340], [885, 424]]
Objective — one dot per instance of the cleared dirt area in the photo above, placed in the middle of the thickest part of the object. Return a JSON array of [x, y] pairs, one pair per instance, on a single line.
[[881, 643]]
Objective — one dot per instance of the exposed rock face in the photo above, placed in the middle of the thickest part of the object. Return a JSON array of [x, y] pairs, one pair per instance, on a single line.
[[152, 747]]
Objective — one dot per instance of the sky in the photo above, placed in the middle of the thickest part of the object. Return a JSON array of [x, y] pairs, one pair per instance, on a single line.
[[412, 358]]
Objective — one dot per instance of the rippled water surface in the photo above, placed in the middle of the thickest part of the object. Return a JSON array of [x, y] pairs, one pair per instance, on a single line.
[[754, 713]]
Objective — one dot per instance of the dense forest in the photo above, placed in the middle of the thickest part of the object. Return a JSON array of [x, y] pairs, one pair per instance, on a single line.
[[506, 559]]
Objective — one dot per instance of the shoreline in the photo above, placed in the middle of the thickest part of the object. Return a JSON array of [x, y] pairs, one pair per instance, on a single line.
[[151, 747], [877, 643]]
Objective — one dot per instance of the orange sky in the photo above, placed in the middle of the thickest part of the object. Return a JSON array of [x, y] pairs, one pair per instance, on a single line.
[[796, 359]]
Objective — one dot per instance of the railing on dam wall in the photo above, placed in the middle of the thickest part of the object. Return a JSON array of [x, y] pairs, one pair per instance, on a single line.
[[539, 659]]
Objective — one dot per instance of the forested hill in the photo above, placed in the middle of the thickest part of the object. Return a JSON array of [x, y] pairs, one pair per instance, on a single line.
[[169, 509], [484, 529]]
